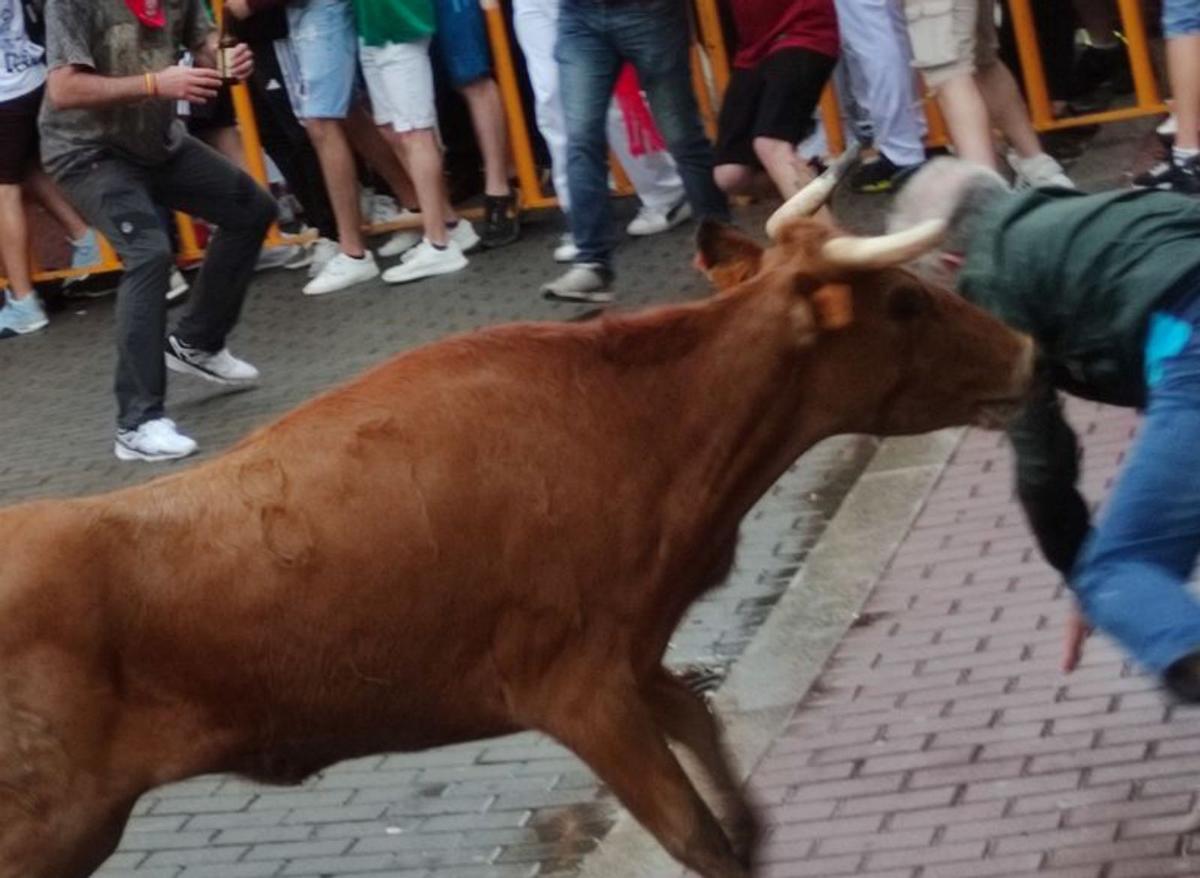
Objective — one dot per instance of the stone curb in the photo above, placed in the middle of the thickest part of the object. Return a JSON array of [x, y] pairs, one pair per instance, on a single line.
[[787, 655]]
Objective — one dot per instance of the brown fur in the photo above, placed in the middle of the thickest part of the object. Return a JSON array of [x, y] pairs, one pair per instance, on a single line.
[[496, 532]]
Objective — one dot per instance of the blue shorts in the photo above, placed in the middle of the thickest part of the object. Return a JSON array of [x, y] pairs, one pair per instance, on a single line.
[[324, 58], [1181, 17], [461, 42]]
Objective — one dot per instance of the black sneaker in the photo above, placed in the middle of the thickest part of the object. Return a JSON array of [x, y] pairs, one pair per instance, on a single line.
[[1170, 177], [1182, 678], [880, 175], [501, 220]]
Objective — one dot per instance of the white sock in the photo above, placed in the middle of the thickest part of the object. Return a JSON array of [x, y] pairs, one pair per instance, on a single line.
[[1182, 156]]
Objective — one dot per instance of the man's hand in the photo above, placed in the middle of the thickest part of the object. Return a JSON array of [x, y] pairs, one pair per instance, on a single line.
[[238, 8], [196, 85], [1076, 632], [241, 62]]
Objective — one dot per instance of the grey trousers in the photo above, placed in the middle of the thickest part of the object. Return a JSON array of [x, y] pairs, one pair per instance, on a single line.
[[119, 197]]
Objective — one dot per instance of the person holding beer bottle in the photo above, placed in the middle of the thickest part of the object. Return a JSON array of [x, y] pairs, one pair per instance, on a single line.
[[111, 138]]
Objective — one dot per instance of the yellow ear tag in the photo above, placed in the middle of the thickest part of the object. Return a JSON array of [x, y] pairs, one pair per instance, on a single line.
[[834, 306]]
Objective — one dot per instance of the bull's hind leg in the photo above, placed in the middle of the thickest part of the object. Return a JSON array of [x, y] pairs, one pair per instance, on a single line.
[[687, 720], [616, 734]]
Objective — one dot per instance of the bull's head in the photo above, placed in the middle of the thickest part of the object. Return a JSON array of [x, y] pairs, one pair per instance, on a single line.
[[892, 352]]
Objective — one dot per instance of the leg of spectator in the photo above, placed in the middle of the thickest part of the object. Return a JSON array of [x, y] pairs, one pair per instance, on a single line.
[[654, 36], [1007, 108], [203, 184], [491, 131], [287, 143], [422, 157], [1183, 68], [115, 198], [341, 178], [320, 67], [369, 143], [787, 170], [967, 119], [876, 50], [588, 69], [400, 80], [536, 23], [14, 241]]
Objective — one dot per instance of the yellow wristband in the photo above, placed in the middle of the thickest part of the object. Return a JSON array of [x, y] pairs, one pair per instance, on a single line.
[[151, 85]]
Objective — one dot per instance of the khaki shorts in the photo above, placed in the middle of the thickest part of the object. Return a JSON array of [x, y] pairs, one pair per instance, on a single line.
[[951, 37]]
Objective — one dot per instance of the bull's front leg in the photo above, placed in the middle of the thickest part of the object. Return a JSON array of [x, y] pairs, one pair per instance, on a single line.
[[688, 721], [616, 732]]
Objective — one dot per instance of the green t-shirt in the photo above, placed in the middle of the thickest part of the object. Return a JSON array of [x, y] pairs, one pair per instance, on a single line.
[[393, 21]]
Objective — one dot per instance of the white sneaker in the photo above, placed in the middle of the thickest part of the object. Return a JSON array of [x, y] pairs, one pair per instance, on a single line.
[[566, 251], [583, 282], [342, 271], [323, 250], [652, 220], [153, 440], [401, 242], [178, 285], [1039, 170], [426, 260], [220, 368], [464, 235]]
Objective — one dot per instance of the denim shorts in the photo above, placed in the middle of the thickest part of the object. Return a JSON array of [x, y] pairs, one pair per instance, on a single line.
[[1181, 17], [461, 42], [324, 49]]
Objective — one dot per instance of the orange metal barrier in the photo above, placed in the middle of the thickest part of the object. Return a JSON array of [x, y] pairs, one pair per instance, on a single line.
[[1145, 87]]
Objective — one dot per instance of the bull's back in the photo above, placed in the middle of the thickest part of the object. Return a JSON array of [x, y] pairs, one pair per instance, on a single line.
[[371, 552]]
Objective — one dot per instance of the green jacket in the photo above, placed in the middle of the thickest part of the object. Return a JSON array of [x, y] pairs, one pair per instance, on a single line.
[[1081, 274]]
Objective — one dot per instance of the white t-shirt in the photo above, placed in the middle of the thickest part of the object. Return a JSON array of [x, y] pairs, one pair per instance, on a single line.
[[22, 62]]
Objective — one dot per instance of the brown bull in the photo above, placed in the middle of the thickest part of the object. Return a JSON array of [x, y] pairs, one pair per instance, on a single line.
[[496, 532]]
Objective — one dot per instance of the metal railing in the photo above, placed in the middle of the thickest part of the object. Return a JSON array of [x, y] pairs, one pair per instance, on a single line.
[[710, 73]]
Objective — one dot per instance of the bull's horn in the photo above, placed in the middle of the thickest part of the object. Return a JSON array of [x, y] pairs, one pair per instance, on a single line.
[[884, 251], [808, 200]]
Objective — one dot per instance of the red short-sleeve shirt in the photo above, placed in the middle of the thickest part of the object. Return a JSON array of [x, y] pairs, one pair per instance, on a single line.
[[765, 26]]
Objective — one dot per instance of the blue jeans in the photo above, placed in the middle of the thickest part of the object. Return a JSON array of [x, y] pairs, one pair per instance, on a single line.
[[1132, 579], [594, 38]]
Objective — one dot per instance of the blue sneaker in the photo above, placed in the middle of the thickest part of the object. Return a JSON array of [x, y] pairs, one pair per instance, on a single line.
[[21, 316], [86, 251]]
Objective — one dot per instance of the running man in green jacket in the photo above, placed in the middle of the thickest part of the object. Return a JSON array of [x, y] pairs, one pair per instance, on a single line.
[[1109, 287]]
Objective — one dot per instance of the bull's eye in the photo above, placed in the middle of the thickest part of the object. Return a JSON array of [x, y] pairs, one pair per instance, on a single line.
[[907, 303]]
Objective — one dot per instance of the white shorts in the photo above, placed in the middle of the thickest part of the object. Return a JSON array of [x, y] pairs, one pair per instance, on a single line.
[[400, 82]]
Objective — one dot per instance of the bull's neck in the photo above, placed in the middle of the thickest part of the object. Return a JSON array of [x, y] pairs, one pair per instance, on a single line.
[[732, 413]]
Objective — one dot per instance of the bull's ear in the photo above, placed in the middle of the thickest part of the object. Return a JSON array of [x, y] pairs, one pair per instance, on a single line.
[[726, 255]]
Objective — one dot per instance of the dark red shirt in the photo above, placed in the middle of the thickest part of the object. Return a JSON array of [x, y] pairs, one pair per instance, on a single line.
[[765, 26]]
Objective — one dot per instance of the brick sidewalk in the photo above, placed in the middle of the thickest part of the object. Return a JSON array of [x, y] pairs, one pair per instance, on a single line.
[[942, 741]]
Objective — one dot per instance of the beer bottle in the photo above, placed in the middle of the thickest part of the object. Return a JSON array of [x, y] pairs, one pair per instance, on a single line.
[[226, 42]]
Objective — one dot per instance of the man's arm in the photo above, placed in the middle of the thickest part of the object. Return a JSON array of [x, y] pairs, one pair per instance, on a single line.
[[1047, 473], [76, 87], [74, 83]]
